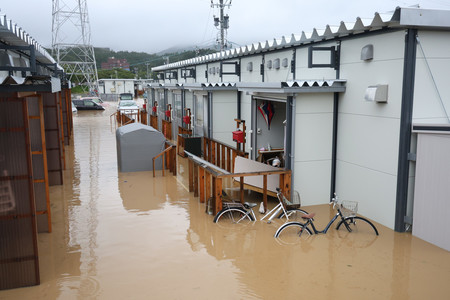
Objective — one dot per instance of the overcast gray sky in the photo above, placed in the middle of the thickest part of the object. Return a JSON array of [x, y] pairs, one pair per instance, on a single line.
[[154, 25]]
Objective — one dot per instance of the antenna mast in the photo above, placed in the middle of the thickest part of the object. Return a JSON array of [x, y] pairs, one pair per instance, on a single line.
[[71, 42], [222, 22]]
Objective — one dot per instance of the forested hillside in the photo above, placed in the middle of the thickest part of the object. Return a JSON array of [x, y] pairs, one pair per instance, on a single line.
[[140, 62]]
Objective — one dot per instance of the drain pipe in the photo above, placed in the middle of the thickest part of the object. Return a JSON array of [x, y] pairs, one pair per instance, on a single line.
[[409, 72], [335, 127]]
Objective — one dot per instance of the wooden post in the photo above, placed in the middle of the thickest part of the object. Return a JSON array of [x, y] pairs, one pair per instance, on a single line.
[[265, 192], [208, 185], [213, 152], [234, 158], [174, 161], [223, 156], [191, 175], [241, 189], [217, 182], [201, 174], [196, 180]]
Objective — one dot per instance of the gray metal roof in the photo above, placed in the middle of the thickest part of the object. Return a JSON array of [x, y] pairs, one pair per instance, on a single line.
[[14, 35], [400, 18]]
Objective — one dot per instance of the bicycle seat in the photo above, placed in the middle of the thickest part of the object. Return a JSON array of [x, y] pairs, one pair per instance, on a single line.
[[308, 216], [249, 205]]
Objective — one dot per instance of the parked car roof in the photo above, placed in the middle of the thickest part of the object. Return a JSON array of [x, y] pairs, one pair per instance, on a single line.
[[126, 96]]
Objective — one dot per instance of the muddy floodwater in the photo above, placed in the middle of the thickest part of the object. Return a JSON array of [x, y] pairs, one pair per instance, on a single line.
[[131, 236]]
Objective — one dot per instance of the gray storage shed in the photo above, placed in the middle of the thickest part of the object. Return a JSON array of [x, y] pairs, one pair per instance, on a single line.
[[137, 144]]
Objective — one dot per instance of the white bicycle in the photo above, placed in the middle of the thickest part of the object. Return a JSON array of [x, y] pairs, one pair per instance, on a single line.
[[236, 212]]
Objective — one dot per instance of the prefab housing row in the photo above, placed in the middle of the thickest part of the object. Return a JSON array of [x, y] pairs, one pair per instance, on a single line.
[[343, 100], [35, 125]]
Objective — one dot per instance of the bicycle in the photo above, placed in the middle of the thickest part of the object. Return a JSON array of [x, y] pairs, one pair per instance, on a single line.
[[346, 210], [236, 212]]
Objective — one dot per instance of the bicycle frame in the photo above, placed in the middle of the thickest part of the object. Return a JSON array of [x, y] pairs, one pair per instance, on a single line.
[[277, 209], [310, 222]]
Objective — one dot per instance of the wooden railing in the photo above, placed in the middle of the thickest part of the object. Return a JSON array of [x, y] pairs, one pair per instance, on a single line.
[[220, 154], [143, 116], [124, 119], [182, 130], [154, 121], [167, 129], [168, 159], [206, 180], [182, 133]]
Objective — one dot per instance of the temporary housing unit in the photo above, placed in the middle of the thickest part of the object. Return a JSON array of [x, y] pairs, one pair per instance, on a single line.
[[35, 124], [116, 86], [137, 144], [340, 102]]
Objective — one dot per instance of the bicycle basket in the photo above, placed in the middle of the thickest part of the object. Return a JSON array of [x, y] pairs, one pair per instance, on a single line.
[[294, 203], [349, 208]]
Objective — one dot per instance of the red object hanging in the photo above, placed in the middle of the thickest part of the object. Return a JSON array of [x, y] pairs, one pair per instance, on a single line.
[[187, 120], [154, 108], [168, 113]]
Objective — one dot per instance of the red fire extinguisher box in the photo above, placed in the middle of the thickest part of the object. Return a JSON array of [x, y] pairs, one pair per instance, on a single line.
[[238, 136]]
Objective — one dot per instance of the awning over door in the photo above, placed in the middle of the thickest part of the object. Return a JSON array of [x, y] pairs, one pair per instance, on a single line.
[[296, 86]]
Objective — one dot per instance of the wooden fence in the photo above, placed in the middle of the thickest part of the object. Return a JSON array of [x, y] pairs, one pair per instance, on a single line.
[[206, 180], [220, 154]]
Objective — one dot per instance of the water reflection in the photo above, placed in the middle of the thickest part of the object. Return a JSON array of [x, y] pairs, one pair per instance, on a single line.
[[139, 192]]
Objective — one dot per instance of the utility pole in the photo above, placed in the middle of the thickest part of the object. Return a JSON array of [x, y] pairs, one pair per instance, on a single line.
[[222, 21], [71, 42]]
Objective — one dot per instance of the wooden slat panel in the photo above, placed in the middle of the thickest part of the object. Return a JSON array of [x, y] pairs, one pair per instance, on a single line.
[[201, 174]]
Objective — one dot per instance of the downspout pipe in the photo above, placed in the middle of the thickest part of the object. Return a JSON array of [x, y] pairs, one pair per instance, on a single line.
[[289, 132], [239, 96], [335, 127], [334, 145], [406, 115]]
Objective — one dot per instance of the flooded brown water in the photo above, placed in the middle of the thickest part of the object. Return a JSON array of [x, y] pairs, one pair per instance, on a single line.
[[132, 236]]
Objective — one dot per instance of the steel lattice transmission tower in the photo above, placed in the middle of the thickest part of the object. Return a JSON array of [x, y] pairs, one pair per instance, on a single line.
[[71, 42]]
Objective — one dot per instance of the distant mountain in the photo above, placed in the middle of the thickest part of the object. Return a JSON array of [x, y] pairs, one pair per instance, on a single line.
[[184, 48]]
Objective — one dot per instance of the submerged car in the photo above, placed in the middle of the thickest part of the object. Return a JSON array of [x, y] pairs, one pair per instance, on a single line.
[[128, 106], [97, 100], [87, 104]]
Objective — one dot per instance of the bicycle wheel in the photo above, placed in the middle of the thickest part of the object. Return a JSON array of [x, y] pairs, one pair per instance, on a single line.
[[233, 215], [294, 214], [292, 232], [358, 225]]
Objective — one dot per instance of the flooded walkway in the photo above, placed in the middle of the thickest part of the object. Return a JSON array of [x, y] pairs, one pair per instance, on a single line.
[[132, 236]]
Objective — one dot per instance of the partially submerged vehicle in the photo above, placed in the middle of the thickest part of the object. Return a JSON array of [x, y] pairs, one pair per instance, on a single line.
[[87, 104], [128, 106]]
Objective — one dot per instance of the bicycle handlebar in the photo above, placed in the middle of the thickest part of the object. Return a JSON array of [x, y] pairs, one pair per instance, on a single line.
[[334, 200]]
